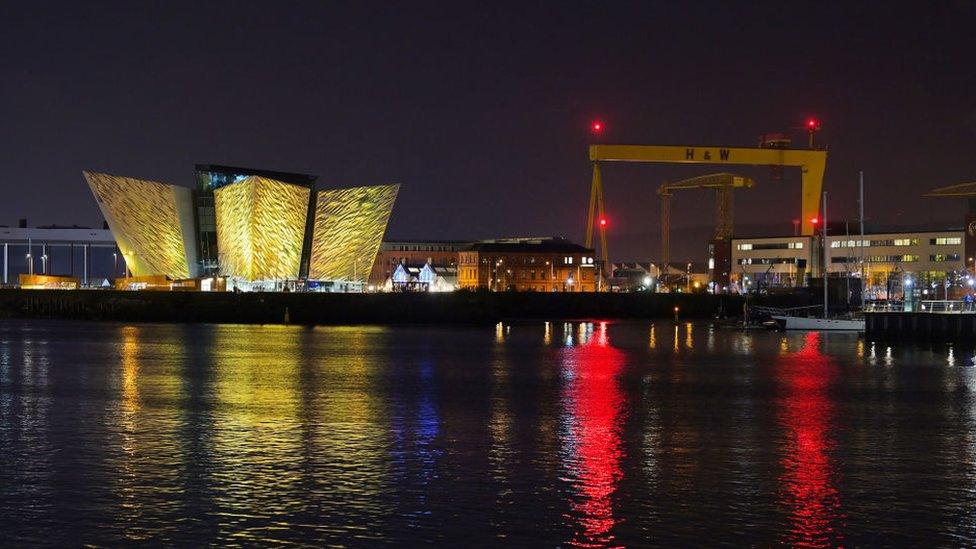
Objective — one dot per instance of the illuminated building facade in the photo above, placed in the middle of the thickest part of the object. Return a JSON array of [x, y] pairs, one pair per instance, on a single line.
[[928, 258], [348, 229], [261, 228], [152, 223], [527, 264], [252, 226], [436, 253]]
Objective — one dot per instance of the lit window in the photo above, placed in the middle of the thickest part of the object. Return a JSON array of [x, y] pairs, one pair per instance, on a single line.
[[744, 246]]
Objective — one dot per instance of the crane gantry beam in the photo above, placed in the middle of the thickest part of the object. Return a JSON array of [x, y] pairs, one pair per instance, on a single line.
[[812, 164]]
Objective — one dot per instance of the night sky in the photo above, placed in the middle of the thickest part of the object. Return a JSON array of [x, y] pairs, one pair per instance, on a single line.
[[481, 111]]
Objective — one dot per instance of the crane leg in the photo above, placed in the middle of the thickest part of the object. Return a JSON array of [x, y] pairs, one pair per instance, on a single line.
[[593, 190], [603, 229], [723, 212], [812, 184], [665, 231]]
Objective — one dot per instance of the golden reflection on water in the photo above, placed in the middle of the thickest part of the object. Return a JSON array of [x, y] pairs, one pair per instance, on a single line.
[[653, 337], [147, 436]]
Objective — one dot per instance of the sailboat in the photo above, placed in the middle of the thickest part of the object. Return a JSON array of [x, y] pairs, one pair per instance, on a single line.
[[790, 322]]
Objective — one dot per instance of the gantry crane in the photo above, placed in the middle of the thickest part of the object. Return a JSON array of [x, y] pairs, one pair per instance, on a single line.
[[723, 183], [812, 164]]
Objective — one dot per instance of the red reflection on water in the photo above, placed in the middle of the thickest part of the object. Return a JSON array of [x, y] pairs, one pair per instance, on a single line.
[[808, 491], [594, 403]]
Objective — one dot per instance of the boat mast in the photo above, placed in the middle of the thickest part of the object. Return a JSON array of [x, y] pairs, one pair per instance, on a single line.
[[824, 243], [861, 207]]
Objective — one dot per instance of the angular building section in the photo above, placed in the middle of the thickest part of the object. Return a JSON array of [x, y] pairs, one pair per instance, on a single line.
[[152, 222], [261, 226], [348, 229]]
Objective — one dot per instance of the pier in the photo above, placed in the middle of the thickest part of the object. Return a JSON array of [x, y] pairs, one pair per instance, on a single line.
[[928, 319]]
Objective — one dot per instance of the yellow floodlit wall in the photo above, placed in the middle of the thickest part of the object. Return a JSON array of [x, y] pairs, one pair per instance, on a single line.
[[260, 228], [349, 227], [152, 223]]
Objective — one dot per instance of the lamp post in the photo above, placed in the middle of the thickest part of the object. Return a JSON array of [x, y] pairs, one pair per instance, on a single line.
[[30, 264], [44, 264], [115, 265], [688, 279]]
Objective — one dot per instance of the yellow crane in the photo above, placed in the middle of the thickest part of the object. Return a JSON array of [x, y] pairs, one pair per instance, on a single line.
[[723, 183], [812, 164]]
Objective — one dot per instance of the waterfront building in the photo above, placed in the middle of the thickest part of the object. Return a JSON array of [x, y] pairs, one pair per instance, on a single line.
[[436, 253], [546, 264], [88, 255], [260, 229], [677, 276], [889, 258], [774, 261], [422, 278]]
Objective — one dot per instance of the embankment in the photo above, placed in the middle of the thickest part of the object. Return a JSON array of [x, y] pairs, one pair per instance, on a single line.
[[321, 308]]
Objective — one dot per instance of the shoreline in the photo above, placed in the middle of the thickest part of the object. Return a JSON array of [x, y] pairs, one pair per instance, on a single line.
[[352, 309]]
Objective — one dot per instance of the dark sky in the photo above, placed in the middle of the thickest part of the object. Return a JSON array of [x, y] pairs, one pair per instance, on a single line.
[[481, 111]]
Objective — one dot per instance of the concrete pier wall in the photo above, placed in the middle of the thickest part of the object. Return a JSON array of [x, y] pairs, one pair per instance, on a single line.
[[264, 308], [920, 325]]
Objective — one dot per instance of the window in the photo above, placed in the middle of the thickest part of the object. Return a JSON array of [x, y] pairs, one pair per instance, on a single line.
[[944, 257], [945, 241], [874, 243], [908, 258], [766, 260]]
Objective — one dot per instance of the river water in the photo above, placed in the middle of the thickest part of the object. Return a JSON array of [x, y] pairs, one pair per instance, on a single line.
[[543, 434]]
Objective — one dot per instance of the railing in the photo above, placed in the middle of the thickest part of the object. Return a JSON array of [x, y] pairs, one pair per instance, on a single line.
[[788, 311], [947, 307], [884, 306]]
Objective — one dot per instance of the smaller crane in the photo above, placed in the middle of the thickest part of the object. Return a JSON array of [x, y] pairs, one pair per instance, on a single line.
[[723, 183]]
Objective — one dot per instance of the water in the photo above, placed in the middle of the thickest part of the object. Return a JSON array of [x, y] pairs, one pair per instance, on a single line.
[[556, 434]]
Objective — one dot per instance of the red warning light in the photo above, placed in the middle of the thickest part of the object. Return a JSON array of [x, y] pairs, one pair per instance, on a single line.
[[814, 220], [603, 222], [596, 127], [813, 124]]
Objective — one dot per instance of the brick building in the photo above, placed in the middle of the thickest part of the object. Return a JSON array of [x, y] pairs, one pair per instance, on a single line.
[[527, 264]]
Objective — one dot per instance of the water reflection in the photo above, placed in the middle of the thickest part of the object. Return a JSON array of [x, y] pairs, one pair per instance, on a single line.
[[807, 416], [542, 434], [594, 408]]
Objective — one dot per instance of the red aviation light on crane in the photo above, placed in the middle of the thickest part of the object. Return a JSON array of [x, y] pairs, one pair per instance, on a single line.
[[814, 220], [603, 222], [596, 127], [813, 125]]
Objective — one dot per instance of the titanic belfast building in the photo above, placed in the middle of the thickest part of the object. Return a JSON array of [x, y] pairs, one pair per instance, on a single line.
[[253, 226]]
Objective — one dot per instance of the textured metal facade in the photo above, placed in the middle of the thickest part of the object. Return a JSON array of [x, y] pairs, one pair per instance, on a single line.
[[152, 223], [260, 228], [349, 227]]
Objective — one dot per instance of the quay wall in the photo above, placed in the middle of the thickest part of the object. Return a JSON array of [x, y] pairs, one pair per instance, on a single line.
[[325, 308], [917, 325]]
